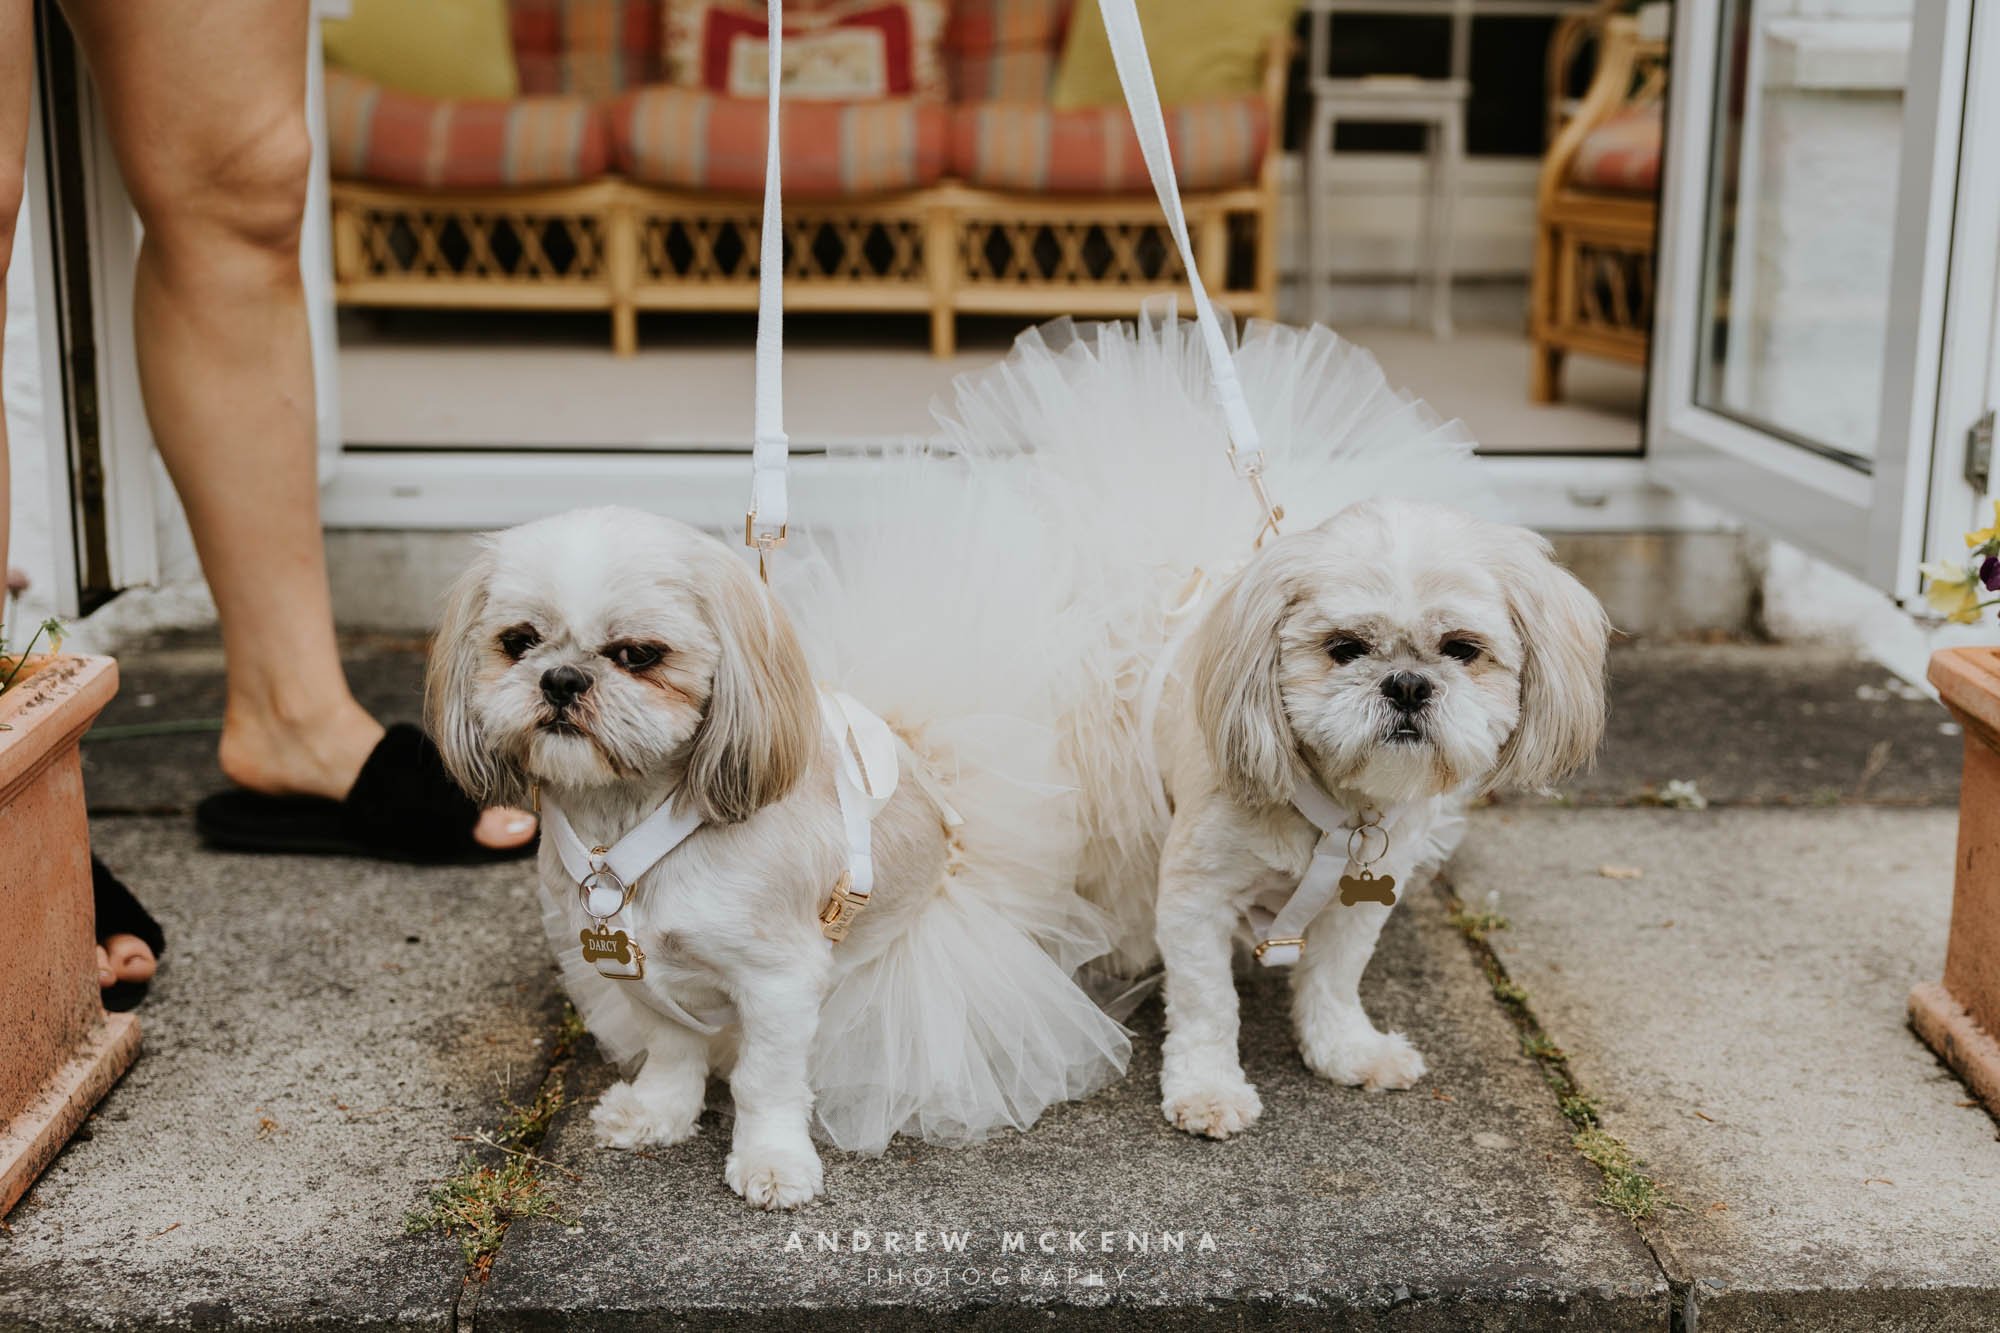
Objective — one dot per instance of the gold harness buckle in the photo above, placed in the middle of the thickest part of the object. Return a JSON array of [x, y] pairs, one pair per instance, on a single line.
[[841, 908]]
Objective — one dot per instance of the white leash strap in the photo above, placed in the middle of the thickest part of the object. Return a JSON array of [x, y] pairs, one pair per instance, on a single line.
[[1281, 935], [865, 771], [764, 525], [1142, 100], [607, 878]]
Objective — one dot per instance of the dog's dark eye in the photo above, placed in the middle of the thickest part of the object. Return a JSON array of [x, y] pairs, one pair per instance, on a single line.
[[1460, 650], [1345, 649], [517, 641], [635, 656]]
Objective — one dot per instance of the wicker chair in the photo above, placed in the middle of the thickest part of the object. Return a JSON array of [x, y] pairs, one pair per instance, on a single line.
[[1593, 285]]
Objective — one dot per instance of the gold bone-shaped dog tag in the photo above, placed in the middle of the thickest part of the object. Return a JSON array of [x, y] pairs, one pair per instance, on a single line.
[[614, 953], [1366, 887]]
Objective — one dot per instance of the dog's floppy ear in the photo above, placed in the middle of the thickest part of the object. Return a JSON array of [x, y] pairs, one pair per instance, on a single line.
[[1563, 632], [458, 651], [1237, 701], [756, 740]]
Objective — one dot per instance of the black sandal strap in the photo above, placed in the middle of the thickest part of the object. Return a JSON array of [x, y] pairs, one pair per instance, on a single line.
[[119, 913], [404, 804]]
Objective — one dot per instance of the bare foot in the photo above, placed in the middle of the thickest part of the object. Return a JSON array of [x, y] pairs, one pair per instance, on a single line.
[[124, 958], [322, 755]]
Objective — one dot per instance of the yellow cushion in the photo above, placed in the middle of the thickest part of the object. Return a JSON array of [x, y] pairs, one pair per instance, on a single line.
[[440, 48], [1200, 49]]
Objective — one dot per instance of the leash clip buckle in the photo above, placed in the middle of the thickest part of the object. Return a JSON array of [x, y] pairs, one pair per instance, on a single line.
[[1252, 471], [765, 543]]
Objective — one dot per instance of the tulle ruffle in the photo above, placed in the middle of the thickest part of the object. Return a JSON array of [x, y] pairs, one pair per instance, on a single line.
[[936, 596]]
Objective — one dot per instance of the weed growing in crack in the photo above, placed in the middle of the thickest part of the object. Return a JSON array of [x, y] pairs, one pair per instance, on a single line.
[[1626, 1188], [501, 1181]]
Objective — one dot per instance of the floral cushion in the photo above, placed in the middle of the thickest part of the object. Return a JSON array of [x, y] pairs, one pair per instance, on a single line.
[[1004, 50], [687, 138], [1092, 150], [395, 138], [835, 50], [592, 47], [1622, 154]]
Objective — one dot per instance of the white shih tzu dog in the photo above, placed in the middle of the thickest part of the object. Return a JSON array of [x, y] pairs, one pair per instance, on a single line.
[[699, 853], [1269, 757], [1334, 703]]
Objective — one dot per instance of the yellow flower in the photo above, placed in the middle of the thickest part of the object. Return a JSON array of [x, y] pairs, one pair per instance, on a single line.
[[1952, 590], [1985, 535]]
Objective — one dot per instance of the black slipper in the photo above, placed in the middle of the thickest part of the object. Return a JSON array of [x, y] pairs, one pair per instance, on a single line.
[[119, 913], [402, 807]]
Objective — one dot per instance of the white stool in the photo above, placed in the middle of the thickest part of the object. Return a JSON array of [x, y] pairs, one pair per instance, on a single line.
[[1436, 104]]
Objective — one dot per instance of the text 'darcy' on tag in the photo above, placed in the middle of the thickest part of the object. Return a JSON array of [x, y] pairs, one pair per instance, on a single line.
[[613, 953]]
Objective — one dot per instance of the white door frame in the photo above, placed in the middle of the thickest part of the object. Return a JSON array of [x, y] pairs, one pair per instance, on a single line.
[[1868, 522], [83, 240]]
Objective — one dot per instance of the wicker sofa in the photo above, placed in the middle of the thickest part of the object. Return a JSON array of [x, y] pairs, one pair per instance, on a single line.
[[602, 187]]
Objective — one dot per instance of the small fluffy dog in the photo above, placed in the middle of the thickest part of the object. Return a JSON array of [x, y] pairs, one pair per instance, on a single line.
[[619, 662], [1400, 656]]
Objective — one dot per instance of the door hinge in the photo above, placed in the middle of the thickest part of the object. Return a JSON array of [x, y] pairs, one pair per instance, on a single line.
[[1979, 453]]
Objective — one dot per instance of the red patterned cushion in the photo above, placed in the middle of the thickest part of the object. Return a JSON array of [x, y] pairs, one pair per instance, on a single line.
[[835, 50], [1092, 150], [1622, 154], [686, 138], [395, 138], [1004, 50], [592, 47]]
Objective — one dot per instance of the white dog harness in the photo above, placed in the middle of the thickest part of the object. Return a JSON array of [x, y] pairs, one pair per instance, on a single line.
[[1350, 844], [866, 768]]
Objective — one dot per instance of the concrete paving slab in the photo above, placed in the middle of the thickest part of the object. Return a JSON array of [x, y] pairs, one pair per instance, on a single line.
[[1456, 1205], [319, 1034], [1769, 724], [1739, 1011], [177, 679]]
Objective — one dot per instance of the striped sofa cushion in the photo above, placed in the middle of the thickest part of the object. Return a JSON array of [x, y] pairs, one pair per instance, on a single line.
[[396, 138], [1092, 150], [1622, 154], [689, 139], [1004, 50], [595, 48]]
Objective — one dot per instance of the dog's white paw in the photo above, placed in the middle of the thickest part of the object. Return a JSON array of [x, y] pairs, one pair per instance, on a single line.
[[1217, 1110], [1375, 1061], [775, 1175], [627, 1116]]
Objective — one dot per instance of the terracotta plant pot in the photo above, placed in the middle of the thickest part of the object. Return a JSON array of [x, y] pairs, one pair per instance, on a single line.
[[59, 1050], [1960, 1017]]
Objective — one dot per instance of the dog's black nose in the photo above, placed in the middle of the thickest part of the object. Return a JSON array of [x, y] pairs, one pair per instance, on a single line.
[[1407, 690], [561, 685]]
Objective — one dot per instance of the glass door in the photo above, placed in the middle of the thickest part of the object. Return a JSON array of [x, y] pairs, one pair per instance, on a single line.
[[1808, 213]]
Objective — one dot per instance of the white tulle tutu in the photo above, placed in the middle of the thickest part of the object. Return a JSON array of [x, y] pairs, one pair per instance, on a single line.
[[1129, 473], [932, 596]]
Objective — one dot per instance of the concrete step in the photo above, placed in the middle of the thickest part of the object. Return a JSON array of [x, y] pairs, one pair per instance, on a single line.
[[1456, 1204], [1738, 1011], [327, 1040]]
